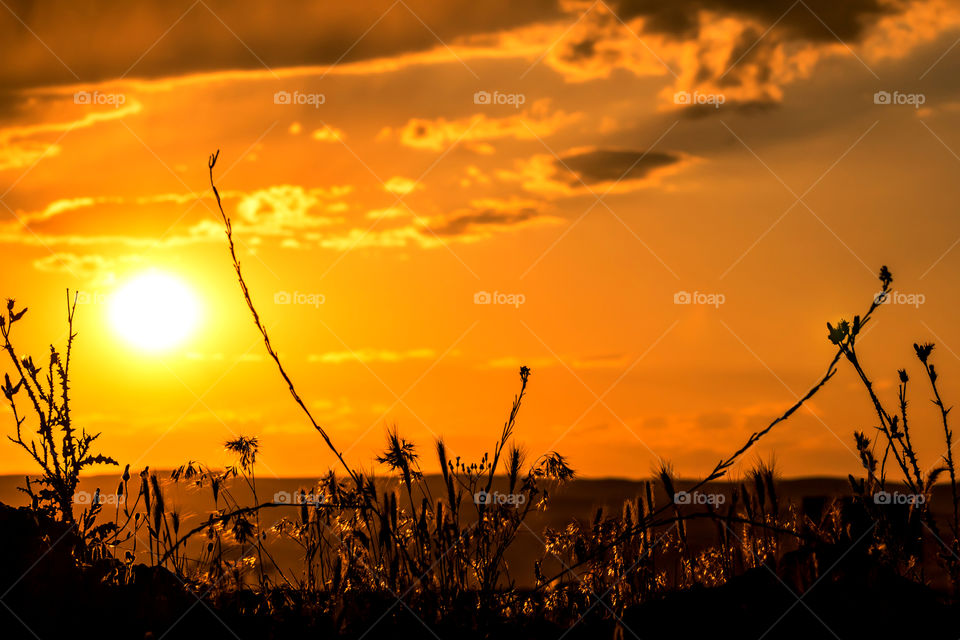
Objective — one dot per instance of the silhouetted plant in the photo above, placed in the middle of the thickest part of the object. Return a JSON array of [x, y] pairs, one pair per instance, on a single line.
[[58, 448], [899, 533]]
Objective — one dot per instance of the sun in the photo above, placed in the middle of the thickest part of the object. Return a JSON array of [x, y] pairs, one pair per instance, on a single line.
[[154, 311]]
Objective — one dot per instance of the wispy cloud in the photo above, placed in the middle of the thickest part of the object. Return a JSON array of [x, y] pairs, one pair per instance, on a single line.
[[472, 131], [19, 144], [371, 355], [97, 270]]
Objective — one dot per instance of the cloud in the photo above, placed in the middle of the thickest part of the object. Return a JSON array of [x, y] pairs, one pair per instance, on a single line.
[[299, 216], [217, 356], [200, 233], [98, 270], [474, 176], [595, 166], [487, 215], [19, 147], [371, 355], [437, 134], [328, 134], [389, 213], [68, 205], [401, 186], [17, 155], [481, 220], [278, 210], [725, 54], [282, 209], [715, 421], [156, 39], [580, 171], [409, 235], [746, 50], [817, 20], [58, 207]]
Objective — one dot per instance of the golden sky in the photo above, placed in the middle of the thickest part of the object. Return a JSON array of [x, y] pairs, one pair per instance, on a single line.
[[390, 164]]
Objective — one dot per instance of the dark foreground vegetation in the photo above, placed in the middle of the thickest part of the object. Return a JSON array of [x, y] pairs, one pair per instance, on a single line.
[[419, 558]]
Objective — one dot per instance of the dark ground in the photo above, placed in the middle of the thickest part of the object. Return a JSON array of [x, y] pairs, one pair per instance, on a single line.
[[45, 595]]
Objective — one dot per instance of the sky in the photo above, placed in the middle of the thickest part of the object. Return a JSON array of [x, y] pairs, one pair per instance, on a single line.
[[656, 206]]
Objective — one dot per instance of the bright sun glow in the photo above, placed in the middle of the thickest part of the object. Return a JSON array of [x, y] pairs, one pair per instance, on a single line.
[[154, 311]]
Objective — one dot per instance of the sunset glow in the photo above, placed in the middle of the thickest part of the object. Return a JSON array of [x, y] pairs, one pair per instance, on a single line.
[[154, 311]]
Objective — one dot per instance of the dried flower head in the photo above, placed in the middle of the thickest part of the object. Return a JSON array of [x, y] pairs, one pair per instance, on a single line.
[[246, 447], [923, 351]]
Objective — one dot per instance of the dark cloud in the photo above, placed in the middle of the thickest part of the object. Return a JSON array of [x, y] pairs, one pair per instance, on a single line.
[[473, 220], [53, 42], [608, 165], [714, 420], [814, 20], [584, 49], [746, 107], [104, 39], [750, 47]]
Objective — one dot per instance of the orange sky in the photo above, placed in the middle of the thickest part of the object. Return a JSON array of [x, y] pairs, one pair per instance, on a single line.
[[628, 152]]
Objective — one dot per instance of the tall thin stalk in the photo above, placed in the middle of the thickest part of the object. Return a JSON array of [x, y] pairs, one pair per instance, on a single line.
[[263, 330]]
